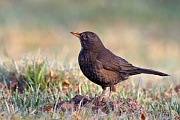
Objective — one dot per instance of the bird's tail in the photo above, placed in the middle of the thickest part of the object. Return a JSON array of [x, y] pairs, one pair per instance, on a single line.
[[148, 71], [137, 70]]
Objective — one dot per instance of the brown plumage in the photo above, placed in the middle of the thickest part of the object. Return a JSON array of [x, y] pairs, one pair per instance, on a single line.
[[103, 67]]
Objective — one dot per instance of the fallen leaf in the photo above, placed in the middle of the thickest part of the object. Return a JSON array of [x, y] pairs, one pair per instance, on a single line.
[[150, 99], [168, 94], [66, 83], [14, 81], [142, 117], [48, 108], [177, 88], [53, 75]]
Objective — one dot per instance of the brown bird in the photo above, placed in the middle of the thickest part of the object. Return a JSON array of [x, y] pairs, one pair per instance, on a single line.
[[103, 67]]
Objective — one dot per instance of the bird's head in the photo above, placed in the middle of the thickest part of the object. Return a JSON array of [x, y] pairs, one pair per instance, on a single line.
[[89, 40]]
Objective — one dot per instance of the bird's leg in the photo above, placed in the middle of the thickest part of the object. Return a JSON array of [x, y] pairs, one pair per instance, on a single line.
[[102, 94], [112, 90]]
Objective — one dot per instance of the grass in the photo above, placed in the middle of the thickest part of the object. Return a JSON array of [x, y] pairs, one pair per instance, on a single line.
[[45, 83]]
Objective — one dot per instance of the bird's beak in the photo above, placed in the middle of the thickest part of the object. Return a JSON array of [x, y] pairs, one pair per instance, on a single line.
[[76, 34]]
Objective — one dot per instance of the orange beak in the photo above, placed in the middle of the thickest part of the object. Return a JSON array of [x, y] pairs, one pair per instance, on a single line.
[[76, 34]]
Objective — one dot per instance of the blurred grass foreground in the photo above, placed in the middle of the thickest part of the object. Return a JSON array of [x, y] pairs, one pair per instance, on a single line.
[[38, 55]]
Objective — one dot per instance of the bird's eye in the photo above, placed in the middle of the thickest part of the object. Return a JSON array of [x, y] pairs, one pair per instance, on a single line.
[[85, 37]]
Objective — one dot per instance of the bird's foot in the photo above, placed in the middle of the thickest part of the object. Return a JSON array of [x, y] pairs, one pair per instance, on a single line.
[[112, 95], [101, 98]]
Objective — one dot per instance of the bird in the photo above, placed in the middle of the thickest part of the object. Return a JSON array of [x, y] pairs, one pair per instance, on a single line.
[[103, 67]]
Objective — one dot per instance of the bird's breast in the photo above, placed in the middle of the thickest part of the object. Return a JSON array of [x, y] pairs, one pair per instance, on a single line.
[[88, 64]]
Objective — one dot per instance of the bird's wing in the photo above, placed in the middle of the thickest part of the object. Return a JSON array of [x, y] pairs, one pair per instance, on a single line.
[[112, 62]]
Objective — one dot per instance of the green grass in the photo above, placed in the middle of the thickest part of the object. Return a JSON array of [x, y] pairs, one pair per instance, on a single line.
[[45, 83]]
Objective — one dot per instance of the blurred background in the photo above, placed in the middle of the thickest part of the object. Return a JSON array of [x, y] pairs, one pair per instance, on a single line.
[[146, 33]]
